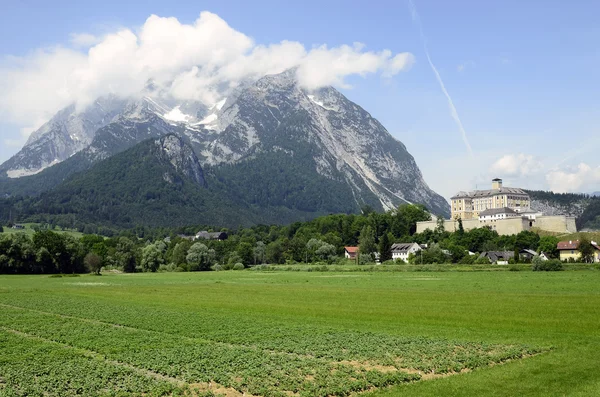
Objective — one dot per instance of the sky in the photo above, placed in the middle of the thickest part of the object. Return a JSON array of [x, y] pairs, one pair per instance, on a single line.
[[474, 89]]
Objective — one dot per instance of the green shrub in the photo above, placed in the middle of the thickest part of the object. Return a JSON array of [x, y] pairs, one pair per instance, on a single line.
[[468, 259], [482, 261], [238, 266], [551, 265], [217, 268]]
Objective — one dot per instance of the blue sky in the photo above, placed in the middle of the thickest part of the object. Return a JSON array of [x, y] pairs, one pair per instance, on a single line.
[[523, 76]]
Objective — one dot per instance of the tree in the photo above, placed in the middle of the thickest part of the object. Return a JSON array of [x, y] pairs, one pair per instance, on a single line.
[[152, 257], [440, 227], [366, 241], [586, 249], [385, 248], [1, 229], [461, 229], [549, 246], [246, 252], [274, 252], [200, 257], [93, 263], [180, 252], [259, 252], [125, 256], [326, 252]]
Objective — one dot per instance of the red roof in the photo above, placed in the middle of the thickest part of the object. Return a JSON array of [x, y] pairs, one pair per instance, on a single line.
[[351, 250], [568, 245], [573, 245]]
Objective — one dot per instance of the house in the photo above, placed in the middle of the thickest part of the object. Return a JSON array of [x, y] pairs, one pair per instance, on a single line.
[[498, 257], [350, 252], [211, 235], [17, 226], [543, 256], [401, 251], [527, 254], [570, 250]]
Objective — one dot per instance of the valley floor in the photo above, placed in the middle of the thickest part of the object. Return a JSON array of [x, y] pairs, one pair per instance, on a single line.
[[300, 333]]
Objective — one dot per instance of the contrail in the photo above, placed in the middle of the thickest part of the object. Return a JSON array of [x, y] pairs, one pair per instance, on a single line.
[[453, 111]]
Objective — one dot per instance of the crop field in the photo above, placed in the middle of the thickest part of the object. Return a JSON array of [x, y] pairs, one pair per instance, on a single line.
[[301, 334]]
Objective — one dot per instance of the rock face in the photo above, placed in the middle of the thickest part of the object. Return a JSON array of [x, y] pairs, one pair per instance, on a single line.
[[65, 134], [276, 114], [173, 150], [269, 120]]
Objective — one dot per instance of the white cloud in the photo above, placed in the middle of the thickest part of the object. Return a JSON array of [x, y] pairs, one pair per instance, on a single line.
[[84, 39], [583, 178], [187, 61], [516, 165]]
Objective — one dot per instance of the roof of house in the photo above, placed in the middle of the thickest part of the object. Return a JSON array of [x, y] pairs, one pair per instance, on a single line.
[[496, 211], [402, 247], [211, 235], [498, 255], [351, 250], [573, 245], [528, 251], [489, 193]]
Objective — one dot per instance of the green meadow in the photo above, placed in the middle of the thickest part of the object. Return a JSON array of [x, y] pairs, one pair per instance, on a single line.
[[302, 334]]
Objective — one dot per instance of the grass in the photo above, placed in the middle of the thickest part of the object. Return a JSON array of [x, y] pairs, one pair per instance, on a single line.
[[310, 333], [30, 229]]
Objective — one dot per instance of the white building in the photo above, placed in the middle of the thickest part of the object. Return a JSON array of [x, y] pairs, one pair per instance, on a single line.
[[493, 214], [401, 251]]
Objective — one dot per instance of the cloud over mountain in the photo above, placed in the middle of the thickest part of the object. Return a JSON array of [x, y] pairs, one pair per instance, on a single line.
[[198, 61]]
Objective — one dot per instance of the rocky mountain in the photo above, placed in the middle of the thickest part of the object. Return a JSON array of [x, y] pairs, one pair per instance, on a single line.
[[272, 133], [67, 133], [585, 208]]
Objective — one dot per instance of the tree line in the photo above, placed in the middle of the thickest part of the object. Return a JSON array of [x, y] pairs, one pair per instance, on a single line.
[[320, 240]]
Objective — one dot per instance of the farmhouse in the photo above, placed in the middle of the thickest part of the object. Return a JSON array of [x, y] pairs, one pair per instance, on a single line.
[[498, 257], [204, 235], [570, 250], [400, 251], [529, 254], [350, 252]]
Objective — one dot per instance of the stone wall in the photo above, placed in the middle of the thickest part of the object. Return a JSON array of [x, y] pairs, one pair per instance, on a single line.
[[558, 224]]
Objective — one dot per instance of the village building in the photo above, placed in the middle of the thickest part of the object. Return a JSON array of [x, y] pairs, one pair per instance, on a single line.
[[527, 254], [401, 251], [498, 257], [350, 252], [204, 235], [569, 250]]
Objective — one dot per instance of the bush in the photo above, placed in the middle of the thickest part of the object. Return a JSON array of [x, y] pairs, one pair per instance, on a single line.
[[217, 268], [552, 265], [482, 261], [238, 266]]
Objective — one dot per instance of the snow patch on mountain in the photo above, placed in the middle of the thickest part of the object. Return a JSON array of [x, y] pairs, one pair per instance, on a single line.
[[177, 115]]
